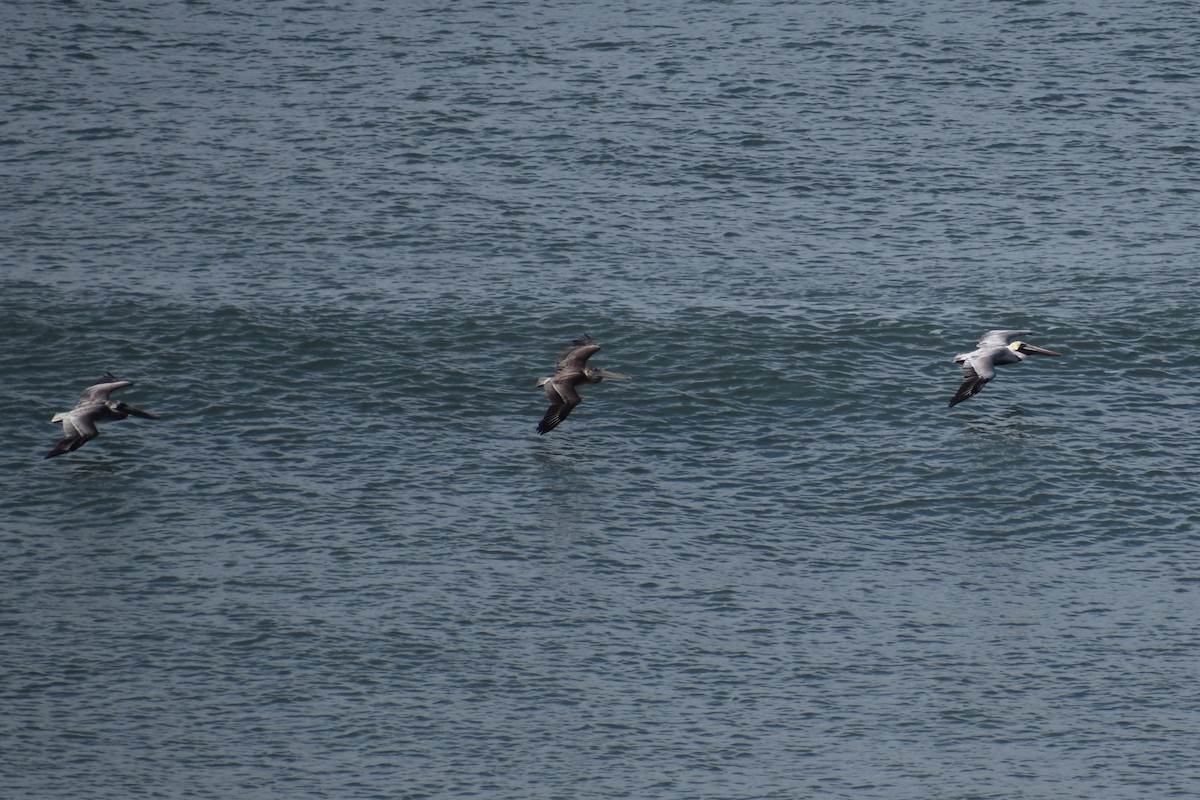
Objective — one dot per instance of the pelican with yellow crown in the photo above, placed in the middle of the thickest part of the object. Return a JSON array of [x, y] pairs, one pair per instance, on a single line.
[[996, 348]]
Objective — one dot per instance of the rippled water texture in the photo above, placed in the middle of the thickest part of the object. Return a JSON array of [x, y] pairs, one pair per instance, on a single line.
[[336, 246]]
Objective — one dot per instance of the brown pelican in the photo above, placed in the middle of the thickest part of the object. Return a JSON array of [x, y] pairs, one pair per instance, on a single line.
[[569, 371], [995, 348], [79, 424]]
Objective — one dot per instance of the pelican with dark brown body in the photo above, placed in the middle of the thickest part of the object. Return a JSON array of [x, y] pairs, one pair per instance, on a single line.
[[569, 371], [79, 424]]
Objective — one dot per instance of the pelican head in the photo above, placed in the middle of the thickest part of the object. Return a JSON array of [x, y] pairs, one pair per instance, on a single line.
[[1023, 349], [123, 410], [596, 374]]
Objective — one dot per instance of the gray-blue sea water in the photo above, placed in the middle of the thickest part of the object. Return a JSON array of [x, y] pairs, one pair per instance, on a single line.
[[335, 245]]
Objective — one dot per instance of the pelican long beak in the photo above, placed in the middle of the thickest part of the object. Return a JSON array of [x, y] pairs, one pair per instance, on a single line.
[[137, 412], [1034, 350], [616, 376]]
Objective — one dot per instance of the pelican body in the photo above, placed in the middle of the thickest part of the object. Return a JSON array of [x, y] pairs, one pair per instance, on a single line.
[[79, 424], [996, 348], [569, 371]]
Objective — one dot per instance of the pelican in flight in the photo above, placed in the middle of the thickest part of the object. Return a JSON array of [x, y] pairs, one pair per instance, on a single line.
[[569, 372], [995, 348], [79, 424]]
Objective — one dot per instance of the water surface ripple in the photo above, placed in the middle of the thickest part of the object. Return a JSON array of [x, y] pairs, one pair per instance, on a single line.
[[336, 245]]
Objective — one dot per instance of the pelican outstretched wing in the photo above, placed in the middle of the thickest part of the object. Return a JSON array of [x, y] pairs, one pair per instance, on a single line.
[[575, 357], [1000, 338], [977, 371], [79, 428], [99, 392], [563, 397]]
